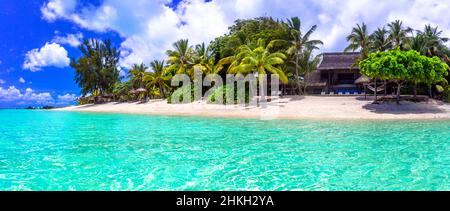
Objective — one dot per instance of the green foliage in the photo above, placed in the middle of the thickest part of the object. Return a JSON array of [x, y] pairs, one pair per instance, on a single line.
[[96, 70], [404, 66], [248, 32], [180, 93], [121, 91], [226, 92], [446, 95]]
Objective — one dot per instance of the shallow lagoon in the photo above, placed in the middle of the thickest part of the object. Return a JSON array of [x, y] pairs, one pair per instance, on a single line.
[[49, 150]]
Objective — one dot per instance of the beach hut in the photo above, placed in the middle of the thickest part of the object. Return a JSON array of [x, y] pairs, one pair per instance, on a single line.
[[364, 81]]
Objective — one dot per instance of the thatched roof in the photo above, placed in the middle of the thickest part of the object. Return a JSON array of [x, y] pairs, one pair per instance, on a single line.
[[141, 90], [363, 80], [338, 61]]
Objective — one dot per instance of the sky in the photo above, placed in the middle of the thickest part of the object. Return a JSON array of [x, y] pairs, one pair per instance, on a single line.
[[38, 38]]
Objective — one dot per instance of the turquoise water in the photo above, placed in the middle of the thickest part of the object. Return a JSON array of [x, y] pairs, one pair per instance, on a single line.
[[45, 150]]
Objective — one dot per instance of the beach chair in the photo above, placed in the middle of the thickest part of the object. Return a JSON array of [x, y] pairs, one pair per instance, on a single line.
[[340, 94], [323, 93], [347, 93], [331, 93]]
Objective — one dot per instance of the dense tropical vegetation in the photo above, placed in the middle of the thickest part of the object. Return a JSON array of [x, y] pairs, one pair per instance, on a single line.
[[393, 54], [403, 56], [261, 45]]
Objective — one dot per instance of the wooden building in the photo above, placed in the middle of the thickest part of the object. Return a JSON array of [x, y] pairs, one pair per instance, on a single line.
[[335, 74]]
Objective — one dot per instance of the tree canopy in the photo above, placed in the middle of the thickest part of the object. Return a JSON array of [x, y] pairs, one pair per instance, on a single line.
[[96, 71], [404, 66]]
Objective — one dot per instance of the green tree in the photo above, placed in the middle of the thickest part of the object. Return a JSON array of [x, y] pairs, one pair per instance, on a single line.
[[203, 58], [398, 34], [136, 75], [359, 40], [157, 78], [180, 59], [380, 41], [401, 67], [96, 71], [121, 91], [259, 60], [300, 41], [307, 64], [434, 42]]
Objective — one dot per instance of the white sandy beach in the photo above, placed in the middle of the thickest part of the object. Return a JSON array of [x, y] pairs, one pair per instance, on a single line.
[[309, 107]]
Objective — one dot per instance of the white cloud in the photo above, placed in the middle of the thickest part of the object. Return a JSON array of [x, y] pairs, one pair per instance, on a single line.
[[67, 98], [51, 54], [13, 94], [57, 8], [150, 27], [22, 80], [73, 40], [2, 81]]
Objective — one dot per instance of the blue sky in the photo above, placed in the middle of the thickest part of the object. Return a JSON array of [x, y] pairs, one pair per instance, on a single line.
[[38, 37]]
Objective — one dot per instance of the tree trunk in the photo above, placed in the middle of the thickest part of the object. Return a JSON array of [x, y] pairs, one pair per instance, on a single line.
[[385, 88], [398, 93], [376, 92], [297, 77], [415, 91], [430, 91]]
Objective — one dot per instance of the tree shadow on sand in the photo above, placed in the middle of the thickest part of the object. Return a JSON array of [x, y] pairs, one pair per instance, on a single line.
[[404, 108]]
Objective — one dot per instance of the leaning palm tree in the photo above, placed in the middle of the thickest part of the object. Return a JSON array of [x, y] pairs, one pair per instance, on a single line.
[[398, 34], [380, 41], [136, 75], [359, 40], [180, 59], [157, 78], [298, 42], [259, 60]]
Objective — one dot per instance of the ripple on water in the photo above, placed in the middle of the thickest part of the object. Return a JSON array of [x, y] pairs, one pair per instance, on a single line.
[[77, 151]]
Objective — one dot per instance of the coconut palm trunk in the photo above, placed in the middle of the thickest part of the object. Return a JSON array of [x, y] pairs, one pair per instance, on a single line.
[[297, 76]]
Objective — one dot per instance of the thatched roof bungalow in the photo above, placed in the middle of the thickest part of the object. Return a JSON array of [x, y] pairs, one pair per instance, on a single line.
[[336, 73]]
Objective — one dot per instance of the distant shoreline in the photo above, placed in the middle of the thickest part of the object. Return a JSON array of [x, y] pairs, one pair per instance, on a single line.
[[309, 107]]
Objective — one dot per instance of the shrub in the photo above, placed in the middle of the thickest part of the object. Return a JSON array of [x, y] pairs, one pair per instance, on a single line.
[[446, 95], [180, 92], [225, 92]]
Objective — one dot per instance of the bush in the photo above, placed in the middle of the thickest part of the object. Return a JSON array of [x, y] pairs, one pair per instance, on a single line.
[[225, 92], [180, 92], [446, 95]]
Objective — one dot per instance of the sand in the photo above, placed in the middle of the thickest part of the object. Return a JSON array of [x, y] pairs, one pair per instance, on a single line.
[[309, 107]]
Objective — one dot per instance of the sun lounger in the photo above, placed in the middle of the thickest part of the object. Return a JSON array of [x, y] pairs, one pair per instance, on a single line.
[[340, 93], [323, 93], [347, 93], [331, 93]]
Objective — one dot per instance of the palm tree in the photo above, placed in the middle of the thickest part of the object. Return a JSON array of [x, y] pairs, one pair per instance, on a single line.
[[300, 41], [398, 34], [180, 59], [433, 39], [157, 78], [259, 60], [308, 63], [380, 41], [136, 75], [203, 58], [418, 43], [359, 40]]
